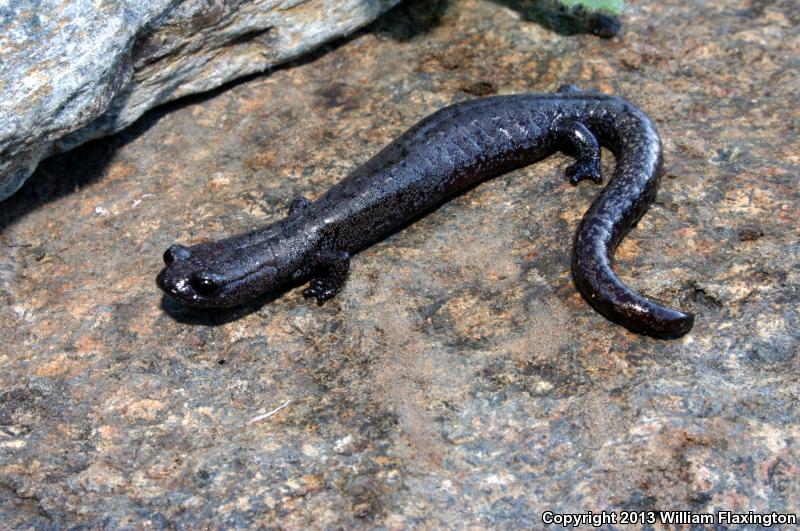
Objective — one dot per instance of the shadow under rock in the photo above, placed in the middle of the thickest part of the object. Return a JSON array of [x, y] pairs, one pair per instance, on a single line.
[[563, 20], [65, 173], [410, 19], [56, 177]]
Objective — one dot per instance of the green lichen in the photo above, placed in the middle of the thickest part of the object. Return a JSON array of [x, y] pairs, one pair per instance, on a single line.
[[613, 7]]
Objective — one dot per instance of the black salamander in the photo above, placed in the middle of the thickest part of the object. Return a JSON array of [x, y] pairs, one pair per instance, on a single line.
[[440, 156]]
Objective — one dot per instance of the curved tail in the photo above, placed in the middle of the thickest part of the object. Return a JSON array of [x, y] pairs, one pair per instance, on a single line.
[[627, 196]]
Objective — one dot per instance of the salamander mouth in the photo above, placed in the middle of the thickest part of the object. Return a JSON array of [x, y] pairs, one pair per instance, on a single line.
[[178, 286]]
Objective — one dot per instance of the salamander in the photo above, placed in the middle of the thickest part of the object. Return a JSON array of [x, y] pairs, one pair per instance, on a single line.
[[442, 155]]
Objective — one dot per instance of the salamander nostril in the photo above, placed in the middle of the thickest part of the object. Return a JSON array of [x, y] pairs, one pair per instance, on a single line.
[[176, 252], [204, 286]]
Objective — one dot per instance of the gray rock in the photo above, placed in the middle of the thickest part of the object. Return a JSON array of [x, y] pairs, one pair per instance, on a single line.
[[77, 70]]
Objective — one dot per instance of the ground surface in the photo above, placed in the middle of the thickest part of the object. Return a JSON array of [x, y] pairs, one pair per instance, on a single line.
[[458, 379]]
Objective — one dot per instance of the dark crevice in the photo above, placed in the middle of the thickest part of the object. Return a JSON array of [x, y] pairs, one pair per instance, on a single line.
[[700, 295], [250, 36]]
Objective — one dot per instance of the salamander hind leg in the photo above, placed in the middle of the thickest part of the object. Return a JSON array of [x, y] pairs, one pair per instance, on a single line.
[[333, 266], [587, 151]]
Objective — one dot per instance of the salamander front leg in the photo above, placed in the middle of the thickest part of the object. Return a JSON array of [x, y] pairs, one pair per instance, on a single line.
[[334, 266], [299, 204], [588, 152]]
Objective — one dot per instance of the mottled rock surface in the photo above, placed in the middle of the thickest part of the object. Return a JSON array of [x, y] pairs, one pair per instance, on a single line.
[[79, 69], [459, 379]]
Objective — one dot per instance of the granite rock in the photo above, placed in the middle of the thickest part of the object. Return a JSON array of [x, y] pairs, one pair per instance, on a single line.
[[459, 380], [77, 69]]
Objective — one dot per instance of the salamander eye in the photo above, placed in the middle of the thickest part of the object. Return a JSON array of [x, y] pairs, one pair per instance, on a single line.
[[204, 286]]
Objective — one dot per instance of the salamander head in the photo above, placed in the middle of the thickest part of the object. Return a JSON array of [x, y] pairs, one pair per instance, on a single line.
[[231, 271]]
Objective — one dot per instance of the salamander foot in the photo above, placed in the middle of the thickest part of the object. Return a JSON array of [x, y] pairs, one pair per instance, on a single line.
[[334, 265], [322, 289], [587, 151], [584, 169]]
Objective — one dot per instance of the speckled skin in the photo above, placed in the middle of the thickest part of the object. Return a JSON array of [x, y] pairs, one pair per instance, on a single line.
[[440, 156]]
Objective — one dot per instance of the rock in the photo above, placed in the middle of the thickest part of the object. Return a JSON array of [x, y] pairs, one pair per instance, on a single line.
[[458, 380], [77, 69]]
